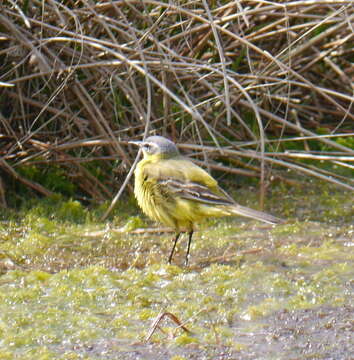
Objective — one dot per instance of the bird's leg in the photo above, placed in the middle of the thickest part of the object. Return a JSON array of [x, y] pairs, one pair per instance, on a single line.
[[190, 234], [173, 248]]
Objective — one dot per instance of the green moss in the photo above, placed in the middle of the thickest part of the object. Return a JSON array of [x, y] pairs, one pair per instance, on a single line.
[[185, 339], [70, 279], [133, 223], [177, 357], [72, 210], [287, 229]]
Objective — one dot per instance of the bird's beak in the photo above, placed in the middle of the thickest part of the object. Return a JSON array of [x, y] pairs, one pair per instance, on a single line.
[[137, 143]]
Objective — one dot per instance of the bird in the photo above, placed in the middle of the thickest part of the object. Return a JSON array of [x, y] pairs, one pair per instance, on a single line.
[[174, 191]]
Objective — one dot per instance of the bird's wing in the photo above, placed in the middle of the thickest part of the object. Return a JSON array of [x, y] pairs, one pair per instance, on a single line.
[[194, 191], [186, 180]]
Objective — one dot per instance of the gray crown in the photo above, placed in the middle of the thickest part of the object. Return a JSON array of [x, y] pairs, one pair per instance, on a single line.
[[165, 146]]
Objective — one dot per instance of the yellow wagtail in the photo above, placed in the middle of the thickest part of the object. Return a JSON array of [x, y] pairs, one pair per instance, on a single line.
[[171, 189]]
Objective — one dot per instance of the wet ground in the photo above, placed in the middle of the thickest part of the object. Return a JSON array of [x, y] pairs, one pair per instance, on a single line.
[[89, 290], [320, 333]]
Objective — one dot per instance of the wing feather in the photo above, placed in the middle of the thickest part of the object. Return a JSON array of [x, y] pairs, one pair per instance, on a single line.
[[184, 179], [194, 191]]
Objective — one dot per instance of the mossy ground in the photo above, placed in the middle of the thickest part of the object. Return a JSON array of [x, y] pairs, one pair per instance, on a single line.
[[72, 287]]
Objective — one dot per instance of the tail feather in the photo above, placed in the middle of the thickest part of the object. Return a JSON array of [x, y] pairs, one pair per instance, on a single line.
[[254, 214]]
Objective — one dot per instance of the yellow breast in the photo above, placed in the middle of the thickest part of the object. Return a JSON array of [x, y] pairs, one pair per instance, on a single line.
[[153, 202]]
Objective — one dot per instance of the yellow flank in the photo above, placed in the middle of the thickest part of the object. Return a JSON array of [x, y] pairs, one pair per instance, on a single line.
[[168, 208]]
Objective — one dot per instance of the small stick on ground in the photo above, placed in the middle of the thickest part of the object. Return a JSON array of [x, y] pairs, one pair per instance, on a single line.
[[155, 324]]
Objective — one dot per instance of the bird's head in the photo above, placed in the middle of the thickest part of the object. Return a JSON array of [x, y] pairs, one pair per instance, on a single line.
[[157, 147]]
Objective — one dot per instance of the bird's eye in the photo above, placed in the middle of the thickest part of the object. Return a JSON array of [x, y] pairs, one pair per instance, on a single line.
[[147, 147]]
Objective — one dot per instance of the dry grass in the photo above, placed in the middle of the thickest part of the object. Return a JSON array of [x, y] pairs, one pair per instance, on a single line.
[[240, 82]]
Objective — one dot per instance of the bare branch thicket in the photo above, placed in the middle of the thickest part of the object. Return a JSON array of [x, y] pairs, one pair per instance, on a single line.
[[247, 80]]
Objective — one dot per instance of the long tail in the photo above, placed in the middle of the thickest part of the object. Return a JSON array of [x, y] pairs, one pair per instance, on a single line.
[[254, 214]]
